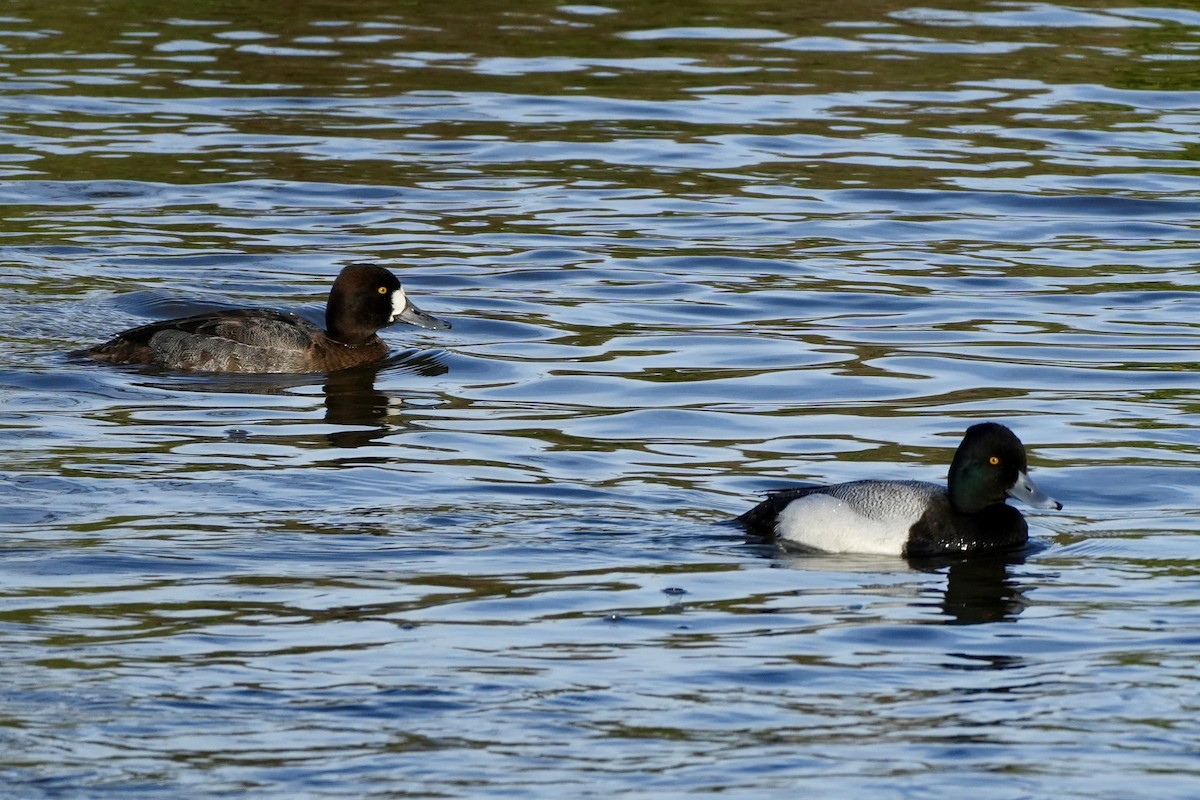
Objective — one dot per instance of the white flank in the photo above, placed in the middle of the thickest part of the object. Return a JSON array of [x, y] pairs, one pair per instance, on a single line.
[[869, 517]]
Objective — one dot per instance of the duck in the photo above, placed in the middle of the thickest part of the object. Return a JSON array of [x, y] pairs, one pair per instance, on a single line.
[[363, 299], [913, 518]]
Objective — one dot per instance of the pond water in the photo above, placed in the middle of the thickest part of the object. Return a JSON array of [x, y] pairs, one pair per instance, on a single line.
[[691, 251]]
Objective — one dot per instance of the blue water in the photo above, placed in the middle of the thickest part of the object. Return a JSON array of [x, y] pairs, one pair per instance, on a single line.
[[690, 253]]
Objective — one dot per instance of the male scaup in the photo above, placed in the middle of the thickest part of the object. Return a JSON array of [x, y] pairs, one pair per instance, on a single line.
[[913, 518], [364, 298]]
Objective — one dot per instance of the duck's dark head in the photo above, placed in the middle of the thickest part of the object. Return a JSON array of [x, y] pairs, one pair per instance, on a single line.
[[989, 466], [365, 298]]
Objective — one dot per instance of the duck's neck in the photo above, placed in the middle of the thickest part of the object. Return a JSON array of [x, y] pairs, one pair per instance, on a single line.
[[359, 339], [349, 335]]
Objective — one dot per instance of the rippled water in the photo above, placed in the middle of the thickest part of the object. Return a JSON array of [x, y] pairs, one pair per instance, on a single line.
[[691, 252]]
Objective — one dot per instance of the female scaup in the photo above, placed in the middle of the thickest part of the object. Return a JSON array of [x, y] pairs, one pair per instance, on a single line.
[[913, 518], [364, 298]]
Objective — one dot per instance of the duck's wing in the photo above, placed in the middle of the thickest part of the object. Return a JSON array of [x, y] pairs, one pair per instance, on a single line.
[[254, 328], [871, 516], [884, 500], [248, 340], [876, 500]]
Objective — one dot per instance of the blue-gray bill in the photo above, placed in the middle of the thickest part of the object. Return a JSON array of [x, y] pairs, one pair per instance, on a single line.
[[415, 316], [1027, 491]]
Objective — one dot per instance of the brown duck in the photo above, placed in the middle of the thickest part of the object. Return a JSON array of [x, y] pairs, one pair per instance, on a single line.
[[364, 298]]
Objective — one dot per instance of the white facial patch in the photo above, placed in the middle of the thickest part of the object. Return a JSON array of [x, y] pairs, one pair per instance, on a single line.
[[399, 303]]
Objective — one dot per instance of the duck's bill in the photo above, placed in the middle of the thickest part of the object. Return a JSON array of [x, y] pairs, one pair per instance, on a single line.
[[415, 316], [1027, 491]]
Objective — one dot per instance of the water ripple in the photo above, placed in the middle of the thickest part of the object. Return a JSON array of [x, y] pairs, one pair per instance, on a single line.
[[687, 258]]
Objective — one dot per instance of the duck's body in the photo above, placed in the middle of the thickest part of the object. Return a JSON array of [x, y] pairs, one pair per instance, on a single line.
[[364, 298], [245, 340], [913, 518]]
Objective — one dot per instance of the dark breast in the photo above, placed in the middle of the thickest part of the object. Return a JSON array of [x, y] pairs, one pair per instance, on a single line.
[[944, 531]]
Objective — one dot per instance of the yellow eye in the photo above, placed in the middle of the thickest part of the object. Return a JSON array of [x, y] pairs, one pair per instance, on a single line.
[[994, 460], [382, 290]]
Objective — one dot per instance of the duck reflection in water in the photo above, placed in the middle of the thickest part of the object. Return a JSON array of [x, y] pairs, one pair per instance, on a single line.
[[351, 396], [352, 399], [978, 589]]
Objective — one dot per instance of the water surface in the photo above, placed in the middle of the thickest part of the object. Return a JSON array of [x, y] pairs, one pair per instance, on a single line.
[[690, 253]]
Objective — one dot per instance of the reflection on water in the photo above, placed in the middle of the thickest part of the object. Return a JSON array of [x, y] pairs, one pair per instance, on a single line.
[[983, 590], [353, 402], [964, 591], [691, 252]]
